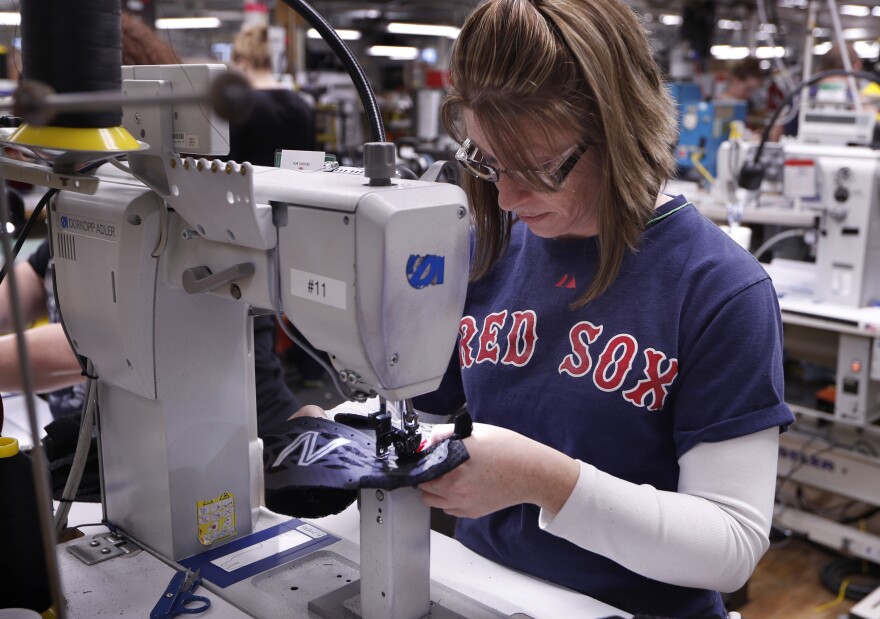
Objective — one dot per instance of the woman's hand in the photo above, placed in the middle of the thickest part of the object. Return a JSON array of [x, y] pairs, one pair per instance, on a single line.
[[505, 468], [309, 410]]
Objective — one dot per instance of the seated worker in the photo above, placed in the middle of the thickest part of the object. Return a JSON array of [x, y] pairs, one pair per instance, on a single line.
[[743, 81], [620, 355], [280, 119]]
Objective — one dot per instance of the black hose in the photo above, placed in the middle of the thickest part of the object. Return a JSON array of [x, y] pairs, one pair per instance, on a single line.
[[26, 230], [834, 573], [368, 98]]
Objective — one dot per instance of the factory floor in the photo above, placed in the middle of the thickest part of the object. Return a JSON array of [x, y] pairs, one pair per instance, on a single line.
[[787, 585]]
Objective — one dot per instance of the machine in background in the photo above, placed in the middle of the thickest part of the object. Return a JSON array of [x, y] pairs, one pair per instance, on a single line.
[[703, 127], [822, 194]]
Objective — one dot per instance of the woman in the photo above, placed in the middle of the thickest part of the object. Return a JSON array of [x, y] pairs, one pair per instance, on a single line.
[[620, 354]]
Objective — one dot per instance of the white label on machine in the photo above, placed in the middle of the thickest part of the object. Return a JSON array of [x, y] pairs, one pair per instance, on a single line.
[[185, 141], [302, 160], [799, 178], [89, 226], [841, 279], [318, 288], [262, 550]]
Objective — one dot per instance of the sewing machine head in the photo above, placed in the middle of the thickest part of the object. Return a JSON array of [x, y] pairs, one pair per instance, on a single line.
[[156, 273]]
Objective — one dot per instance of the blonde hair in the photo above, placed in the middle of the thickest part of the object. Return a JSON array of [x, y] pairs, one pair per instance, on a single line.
[[251, 45], [558, 65]]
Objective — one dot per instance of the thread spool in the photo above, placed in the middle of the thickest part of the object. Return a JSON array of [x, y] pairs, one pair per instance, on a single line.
[[25, 581], [74, 46]]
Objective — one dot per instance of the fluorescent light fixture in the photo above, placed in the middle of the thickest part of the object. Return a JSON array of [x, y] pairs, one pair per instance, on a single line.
[[820, 49], [671, 20], [856, 10], [875, 11], [855, 33], [768, 28], [10, 19], [187, 23], [345, 35], [770, 52], [364, 14], [821, 33], [395, 52], [730, 24], [728, 52], [866, 49], [428, 30]]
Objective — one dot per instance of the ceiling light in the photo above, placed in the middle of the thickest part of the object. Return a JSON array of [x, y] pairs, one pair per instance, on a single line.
[[770, 52], [730, 24], [875, 11], [671, 20], [856, 10], [866, 49], [429, 30], [345, 35], [821, 32], [364, 14], [855, 33], [187, 23], [395, 52], [821, 49], [10, 19], [727, 52]]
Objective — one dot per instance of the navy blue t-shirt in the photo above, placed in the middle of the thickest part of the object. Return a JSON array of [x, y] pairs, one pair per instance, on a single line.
[[684, 347]]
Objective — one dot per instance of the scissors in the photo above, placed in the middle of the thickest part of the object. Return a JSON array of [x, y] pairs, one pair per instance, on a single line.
[[178, 596]]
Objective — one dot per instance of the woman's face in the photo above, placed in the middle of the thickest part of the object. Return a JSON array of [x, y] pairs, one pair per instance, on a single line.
[[569, 212]]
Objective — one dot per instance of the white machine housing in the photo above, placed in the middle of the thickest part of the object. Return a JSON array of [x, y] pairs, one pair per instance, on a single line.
[[156, 274], [836, 184]]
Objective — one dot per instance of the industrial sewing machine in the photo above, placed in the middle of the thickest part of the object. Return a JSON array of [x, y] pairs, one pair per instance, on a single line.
[[158, 268]]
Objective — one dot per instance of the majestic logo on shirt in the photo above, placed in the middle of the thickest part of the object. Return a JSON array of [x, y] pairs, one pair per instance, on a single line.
[[424, 271], [307, 443], [510, 338], [566, 281]]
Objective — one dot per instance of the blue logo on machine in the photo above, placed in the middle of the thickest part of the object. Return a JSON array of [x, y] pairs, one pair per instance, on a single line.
[[424, 271], [64, 221]]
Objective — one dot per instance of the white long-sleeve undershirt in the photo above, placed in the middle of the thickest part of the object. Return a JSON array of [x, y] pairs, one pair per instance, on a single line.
[[710, 534]]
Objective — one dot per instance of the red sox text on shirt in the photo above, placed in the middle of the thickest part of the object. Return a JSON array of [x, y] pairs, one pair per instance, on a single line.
[[518, 329]]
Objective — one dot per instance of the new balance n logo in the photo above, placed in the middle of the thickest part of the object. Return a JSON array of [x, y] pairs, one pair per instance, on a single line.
[[309, 455]]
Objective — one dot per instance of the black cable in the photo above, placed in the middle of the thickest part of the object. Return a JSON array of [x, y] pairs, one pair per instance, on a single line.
[[751, 175], [26, 230], [835, 572], [338, 46]]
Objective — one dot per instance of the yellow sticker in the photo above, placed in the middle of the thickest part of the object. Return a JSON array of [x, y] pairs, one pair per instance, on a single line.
[[216, 518]]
